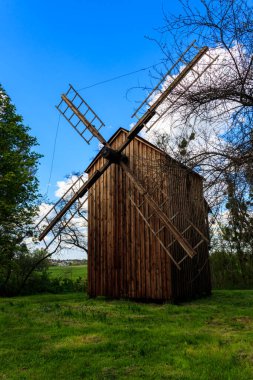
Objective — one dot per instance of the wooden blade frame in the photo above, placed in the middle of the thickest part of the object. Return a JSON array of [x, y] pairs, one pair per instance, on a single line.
[[81, 116], [80, 193], [57, 208], [57, 229], [89, 124], [150, 218], [174, 76], [178, 236]]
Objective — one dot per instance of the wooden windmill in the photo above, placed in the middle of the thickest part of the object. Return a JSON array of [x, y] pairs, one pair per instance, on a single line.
[[147, 225]]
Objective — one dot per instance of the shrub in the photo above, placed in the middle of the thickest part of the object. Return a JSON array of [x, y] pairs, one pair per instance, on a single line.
[[229, 272]]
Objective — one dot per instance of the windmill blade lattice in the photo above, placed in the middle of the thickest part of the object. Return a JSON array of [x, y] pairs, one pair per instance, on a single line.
[[154, 205], [55, 210], [165, 222], [176, 77], [81, 116]]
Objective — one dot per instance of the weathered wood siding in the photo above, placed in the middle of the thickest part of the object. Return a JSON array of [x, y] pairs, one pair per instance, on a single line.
[[124, 257]]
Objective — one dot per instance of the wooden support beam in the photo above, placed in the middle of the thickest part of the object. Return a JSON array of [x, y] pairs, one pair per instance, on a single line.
[[155, 234], [198, 230], [163, 217]]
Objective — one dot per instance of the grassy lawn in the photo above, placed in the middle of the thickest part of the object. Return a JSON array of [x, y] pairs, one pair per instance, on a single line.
[[69, 336], [72, 272]]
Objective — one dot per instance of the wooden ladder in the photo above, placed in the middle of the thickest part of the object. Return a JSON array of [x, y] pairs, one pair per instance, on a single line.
[[156, 212]]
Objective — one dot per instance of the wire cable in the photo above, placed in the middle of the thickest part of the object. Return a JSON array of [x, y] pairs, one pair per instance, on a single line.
[[53, 155], [119, 76]]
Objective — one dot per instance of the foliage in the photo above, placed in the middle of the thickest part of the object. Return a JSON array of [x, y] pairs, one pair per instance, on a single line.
[[238, 231], [229, 271], [18, 191], [69, 336], [21, 264], [48, 279], [43, 283]]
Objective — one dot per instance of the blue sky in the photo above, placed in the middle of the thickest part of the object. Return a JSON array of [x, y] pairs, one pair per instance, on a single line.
[[45, 45]]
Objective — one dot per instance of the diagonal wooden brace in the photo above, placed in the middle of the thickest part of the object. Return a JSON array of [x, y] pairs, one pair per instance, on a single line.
[[163, 217]]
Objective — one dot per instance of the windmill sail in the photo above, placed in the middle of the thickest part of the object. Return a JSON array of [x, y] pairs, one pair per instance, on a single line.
[[81, 116]]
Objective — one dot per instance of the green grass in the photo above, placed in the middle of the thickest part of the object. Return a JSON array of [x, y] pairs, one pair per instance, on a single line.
[[72, 272], [69, 336]]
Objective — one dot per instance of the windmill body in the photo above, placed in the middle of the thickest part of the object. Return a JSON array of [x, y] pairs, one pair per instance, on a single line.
[[147, 225], [127, 240]]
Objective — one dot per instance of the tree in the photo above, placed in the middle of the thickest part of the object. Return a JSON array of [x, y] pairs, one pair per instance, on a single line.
[[18, 189], [213, 130]]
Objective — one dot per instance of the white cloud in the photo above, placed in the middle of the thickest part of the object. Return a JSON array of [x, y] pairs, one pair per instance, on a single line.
[[3, 99]]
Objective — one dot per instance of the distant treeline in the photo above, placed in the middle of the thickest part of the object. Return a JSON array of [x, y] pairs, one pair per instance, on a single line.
[[230, 271], [67, 262]]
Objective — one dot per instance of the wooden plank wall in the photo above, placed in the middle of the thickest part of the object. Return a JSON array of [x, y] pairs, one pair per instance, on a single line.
[[124, 259]]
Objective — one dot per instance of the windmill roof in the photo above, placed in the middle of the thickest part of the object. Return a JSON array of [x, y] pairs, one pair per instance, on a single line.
[[144, 141]]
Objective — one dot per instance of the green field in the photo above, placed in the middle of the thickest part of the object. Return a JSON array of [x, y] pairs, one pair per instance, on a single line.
[[69, 336], [72, 272]]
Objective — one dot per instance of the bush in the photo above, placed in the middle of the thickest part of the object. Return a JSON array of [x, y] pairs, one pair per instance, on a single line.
[[22, 263], [40, 282], [230, 272]]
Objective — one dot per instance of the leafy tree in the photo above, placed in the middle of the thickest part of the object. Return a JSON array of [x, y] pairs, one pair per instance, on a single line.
[[18, 189], [238, 231]]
